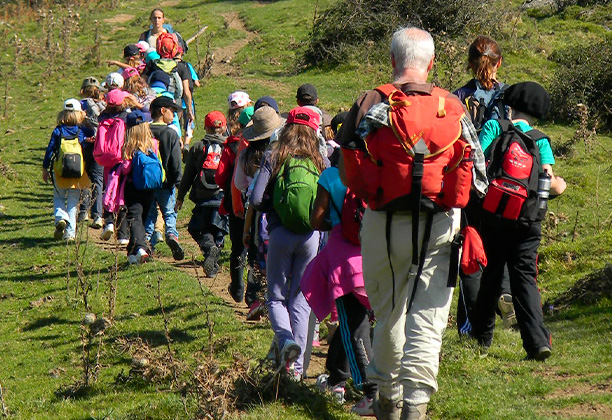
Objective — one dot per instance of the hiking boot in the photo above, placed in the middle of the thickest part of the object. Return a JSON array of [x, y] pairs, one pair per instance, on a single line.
[[210, 262], [177, 252], [506, 308], [540, 355], [97, 223], [253, 287], [338, 391], [107, 232], [365, 407], [414, 412], [82, 217], [60, 228], [385, 409], [236, 291]]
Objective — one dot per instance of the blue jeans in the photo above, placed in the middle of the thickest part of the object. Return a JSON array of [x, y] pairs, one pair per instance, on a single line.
[[166, 198], [65, 203]]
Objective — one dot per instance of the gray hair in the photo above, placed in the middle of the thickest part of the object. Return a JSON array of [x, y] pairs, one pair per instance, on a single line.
[[412, 48]]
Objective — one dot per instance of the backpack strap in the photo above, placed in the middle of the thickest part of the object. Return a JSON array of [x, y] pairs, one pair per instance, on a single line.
[[386, 89]]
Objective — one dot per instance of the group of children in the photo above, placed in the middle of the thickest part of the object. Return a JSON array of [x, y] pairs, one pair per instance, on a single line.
[[272, 182]]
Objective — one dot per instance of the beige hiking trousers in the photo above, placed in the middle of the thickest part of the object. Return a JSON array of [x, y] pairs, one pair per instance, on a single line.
[[407, 346]]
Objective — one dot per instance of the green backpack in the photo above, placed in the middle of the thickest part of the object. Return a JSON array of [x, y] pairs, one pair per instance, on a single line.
[[294, 193]]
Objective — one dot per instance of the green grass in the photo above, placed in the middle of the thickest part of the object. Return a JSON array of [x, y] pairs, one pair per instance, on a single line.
[[40, 346]]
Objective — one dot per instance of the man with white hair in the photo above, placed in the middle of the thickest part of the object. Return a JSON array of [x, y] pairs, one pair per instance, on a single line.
[[408, 261]]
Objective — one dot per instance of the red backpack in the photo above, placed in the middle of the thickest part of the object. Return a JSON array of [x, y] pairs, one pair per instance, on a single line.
[[212, 157], [420, 158], [351, 215], [109, 141]]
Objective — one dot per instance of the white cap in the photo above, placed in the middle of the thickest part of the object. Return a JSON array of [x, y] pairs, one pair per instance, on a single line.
[[238, 99], [72, 105], [143, 46], [114, 80]]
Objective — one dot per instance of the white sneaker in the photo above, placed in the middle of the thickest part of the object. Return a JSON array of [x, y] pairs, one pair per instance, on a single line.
[[365, 407], [123, 241], [338, 391], [107, 232], [142, 256], [97, 223]]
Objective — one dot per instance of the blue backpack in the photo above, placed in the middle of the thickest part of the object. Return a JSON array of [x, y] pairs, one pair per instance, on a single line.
[[147, 171], [484, 105]]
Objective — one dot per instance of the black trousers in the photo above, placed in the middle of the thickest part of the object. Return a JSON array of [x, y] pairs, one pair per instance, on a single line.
[[207, 227], [350, 350], [138, 204], [517, 246], [236, 226]]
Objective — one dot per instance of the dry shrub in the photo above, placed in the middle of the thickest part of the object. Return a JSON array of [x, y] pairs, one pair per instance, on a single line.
[[589, 289], [361, 29], [149, 364]]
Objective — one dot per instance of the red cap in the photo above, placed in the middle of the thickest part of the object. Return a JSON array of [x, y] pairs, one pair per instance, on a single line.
[[304, 115], [215, 119]]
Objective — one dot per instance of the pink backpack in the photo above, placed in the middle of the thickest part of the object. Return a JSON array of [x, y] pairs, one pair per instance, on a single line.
[[109, 141]]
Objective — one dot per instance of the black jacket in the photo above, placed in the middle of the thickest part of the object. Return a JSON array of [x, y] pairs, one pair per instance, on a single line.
[[170, 151], [193, 168]]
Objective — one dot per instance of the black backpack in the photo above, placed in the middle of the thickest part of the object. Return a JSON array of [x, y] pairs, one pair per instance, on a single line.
[[513, 169]]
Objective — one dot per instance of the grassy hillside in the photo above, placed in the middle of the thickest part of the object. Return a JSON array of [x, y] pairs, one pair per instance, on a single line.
[[46, 288]]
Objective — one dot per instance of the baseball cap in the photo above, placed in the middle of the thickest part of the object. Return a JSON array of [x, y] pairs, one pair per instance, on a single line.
[[90, 81], [152, 55], [159, 76], [72, 105], [246, 115], [307, 93], [528, 97], [131, 50], [130, 72], [115, 97], [215, 119], [238, 99], [305, 116], [143, 46], [165, 102], [114, 80], [266, 100], [137, 117]]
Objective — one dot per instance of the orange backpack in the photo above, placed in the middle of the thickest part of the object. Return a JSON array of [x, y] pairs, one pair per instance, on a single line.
[[419, 158]]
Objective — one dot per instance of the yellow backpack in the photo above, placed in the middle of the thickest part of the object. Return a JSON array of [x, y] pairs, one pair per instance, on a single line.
[[69, 165]]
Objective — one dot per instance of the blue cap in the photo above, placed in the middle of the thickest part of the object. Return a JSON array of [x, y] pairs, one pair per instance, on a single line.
[[137, 117], [159, 76], [270, 101]]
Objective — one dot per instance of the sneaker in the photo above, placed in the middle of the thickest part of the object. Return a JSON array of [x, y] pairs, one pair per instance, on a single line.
[[540, 355], [315, 336], [256, 311], [158, 236], [290, 352], [97, 223], [210, 262], [177, 252], [414, 412], [337, 391], [142, 255], [294, 375], [83, 217], [69, 238], [60, 228], [132, 259], [107, 232], [506, 308], [365, 407], [123, 241]]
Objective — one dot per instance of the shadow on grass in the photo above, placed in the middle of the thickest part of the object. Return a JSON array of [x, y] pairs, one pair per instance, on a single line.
[[48, 321], [158, 338]]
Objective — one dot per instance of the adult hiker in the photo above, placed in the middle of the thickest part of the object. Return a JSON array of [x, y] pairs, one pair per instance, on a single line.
[[512, 213], [407, 267], [482, 96], [159, 26]]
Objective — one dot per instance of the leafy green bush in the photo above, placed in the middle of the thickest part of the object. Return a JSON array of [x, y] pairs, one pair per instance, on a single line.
[[362, 28], [584, 77]]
